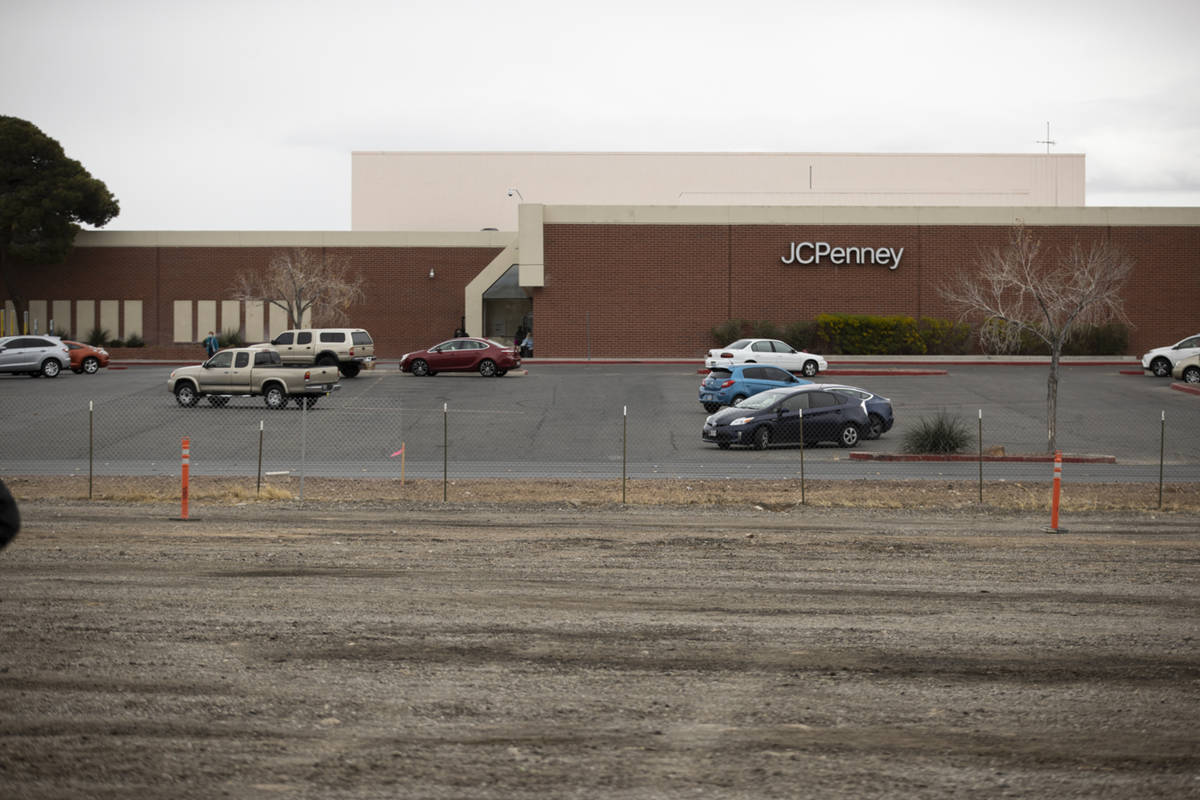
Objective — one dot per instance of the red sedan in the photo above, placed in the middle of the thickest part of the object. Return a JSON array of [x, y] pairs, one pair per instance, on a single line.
[[85, 358], [491, 359]]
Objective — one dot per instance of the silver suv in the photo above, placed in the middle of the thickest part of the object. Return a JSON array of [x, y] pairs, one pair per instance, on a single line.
[[34, 355]]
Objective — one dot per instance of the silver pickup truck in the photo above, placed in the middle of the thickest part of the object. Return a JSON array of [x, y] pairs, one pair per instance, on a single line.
[[249, 372]]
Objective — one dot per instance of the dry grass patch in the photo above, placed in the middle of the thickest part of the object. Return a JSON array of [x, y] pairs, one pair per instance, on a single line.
[[773, 495]]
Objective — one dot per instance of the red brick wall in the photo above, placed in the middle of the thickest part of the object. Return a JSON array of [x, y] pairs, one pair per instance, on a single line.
[[642, 290], [405, 308]]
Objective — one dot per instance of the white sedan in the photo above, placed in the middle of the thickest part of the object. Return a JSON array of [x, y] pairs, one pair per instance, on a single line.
[[1162, 360], [766, 351]]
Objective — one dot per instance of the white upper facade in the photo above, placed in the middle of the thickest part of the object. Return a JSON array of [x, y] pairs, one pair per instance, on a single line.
[[465, 191]]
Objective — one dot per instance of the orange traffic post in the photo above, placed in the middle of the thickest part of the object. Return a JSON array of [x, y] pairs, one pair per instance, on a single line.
[[186, 458], [1056, 493]]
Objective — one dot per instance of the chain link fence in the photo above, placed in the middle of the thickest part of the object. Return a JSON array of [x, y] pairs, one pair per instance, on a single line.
[[600, 426]]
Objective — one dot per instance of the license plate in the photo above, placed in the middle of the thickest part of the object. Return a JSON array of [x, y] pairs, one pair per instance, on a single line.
[[706, 397], [710, 434]]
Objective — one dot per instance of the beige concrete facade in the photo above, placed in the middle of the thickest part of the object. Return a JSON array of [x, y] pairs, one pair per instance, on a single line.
[[464, 191]]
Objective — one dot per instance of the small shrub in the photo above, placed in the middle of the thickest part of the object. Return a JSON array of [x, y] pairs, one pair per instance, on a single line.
[[231, 338], [802, 336], [115, 343], [97, 337], [765, 329], [134, 341], [729, 331], [943, 434]]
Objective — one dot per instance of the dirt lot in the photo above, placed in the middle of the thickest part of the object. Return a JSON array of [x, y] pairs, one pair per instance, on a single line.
[[577, 648]]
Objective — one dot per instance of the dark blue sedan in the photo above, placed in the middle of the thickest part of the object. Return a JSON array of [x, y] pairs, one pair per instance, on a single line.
[[727, 386], [806, 414]]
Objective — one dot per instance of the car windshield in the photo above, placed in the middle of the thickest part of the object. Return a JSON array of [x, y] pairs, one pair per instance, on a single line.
[[763, 399]]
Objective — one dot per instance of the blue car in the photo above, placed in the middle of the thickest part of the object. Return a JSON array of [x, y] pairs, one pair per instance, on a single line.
[[726, 386]]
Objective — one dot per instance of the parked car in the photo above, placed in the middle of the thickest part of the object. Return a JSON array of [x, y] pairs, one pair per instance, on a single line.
[[34, 355], [727, 386], [85, 358], [879, 409], [463, 354], [1162, 360], [777, 416], [351, 350], [1187, 369], [766, 351]]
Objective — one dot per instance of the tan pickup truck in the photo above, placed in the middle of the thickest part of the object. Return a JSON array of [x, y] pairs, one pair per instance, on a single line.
[[249, 372], [348, 349]]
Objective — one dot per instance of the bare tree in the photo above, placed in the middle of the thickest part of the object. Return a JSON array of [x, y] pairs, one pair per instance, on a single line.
[[302, 281], [1017, 290]]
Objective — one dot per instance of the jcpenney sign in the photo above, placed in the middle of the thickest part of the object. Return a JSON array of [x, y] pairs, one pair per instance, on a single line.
[[816, 252]]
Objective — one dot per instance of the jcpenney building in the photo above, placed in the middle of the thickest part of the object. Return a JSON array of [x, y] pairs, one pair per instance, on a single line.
[[611, 279]]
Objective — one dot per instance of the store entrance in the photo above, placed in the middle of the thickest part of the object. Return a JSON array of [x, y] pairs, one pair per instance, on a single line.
[[507, 309]]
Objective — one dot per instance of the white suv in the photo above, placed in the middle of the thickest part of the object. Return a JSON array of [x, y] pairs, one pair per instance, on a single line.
[[34, 355], [348, 349], [1161, 360]]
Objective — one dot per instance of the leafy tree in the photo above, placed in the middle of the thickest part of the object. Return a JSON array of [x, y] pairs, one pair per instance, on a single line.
[[301, 281], [43, 197], [1017, 290]]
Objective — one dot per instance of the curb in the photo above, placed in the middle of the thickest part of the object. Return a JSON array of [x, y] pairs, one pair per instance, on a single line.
[[1081, 459], [1184, 387]]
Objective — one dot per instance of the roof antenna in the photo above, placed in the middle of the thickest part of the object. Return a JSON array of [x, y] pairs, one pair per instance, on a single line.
[[1047, 141]]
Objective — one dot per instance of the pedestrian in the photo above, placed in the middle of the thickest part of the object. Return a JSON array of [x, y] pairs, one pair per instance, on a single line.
[[527, 346], [519, 337], [211, 345]]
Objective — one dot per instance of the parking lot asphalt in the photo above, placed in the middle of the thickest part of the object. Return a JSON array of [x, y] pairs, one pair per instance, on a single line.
[[594, 420]]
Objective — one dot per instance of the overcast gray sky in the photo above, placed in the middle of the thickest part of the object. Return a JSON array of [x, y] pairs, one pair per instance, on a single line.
[[242, 114]]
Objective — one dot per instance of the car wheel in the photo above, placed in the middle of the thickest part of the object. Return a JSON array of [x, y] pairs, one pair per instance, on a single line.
[[737, 398], [712, 407], [185, 395], [91, 365], [419, 368], [275, 397], [309, 399], [327, 360], [874, 427], [849, 435], [1191, 374], [350, 370], [1161, 367], [809, 369], [762, 438], [217, 401], [487, 368], [51, 368]]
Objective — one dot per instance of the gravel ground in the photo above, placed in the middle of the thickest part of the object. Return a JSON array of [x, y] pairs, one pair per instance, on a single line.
[[498, 651]]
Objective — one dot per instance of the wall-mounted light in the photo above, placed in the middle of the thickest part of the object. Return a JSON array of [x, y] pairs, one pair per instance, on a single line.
[[517, 192], [431, 272]]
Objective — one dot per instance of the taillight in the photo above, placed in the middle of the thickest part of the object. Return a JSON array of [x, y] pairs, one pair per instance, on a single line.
[[351, 351], [727, 384], [726, 355], [307, 374]]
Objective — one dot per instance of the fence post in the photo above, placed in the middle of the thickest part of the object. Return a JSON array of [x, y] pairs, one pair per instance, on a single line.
[[981, 456], [800, 411], [445, 448], [1162, 449], [92, 441], [258, 488], [624, 449]]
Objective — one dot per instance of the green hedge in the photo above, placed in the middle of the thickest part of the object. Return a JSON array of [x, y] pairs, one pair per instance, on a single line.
[[865, 334]]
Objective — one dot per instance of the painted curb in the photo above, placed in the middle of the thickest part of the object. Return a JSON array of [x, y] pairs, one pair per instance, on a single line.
[[863, 456]]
